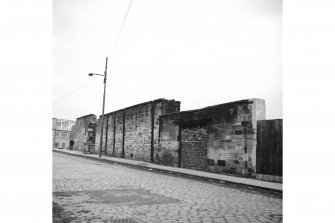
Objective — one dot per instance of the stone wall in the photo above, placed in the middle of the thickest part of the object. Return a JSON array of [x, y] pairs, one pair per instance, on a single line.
[[110, 135], [98, 135], [118, 151], [79, 131], [138, 132], [168, 146], [161, 107], [231, 136], [133, 132]]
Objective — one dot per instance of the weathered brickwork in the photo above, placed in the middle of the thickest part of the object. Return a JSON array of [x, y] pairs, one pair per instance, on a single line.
[[194, 147], [231, 135], [79, 132], [136, 129]]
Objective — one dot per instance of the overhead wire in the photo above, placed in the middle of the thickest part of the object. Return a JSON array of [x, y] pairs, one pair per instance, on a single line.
[[122, 25], [113, 49], [75, 90]]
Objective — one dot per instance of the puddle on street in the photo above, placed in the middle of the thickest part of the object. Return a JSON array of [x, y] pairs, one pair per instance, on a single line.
[[114, 197]]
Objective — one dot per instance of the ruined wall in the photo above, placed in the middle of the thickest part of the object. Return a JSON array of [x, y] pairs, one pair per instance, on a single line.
[[168, 146], [97, 136], [110, 135], [79, 131], [138, 132], [119, 134], [231, 136], [136, 129], [161, 107]]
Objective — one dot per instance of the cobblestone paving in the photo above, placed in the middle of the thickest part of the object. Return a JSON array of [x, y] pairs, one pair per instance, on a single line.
[[91, 191]]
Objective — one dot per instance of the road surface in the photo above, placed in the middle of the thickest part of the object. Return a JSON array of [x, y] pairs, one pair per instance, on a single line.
[[92, 191]]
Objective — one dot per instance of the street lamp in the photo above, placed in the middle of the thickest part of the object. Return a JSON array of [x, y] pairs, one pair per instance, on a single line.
[[103, 105]]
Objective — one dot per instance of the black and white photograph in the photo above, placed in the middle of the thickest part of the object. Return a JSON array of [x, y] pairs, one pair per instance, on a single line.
[[167, 111], [143, 111]]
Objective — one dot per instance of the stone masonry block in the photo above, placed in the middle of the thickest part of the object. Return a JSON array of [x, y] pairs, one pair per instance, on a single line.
[[241, 142], [251, 142], [239, 149], [249, 149], [249, 165], [239, 123], [251, 136]]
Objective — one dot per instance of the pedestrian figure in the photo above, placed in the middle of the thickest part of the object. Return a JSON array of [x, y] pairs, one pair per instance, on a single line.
[[71, 144]]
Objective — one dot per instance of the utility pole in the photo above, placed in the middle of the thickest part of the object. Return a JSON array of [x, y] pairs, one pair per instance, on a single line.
[[103, 109]]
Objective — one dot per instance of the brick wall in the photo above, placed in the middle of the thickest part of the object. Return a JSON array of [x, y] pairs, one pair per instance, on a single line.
[[194, 147], [231, 135], [79, 131]]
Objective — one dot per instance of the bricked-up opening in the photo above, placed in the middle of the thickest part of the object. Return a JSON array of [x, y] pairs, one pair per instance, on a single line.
[[194, 147], [221, 163]]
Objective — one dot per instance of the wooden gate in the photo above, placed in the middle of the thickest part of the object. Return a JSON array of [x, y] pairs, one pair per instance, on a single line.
[[269, 155]]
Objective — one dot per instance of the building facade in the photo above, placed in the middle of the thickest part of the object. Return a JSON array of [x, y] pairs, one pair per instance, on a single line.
[[61, 133]]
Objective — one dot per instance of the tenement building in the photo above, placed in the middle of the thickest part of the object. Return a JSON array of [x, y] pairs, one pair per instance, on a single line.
[[61, 130]]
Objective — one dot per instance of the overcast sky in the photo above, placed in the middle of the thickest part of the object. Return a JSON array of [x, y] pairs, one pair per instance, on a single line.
[[201, 53]]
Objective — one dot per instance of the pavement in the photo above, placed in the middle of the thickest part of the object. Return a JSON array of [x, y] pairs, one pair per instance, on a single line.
[[221, 178]]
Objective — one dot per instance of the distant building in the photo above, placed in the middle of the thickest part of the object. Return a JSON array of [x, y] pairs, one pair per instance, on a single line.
[[61, 130]]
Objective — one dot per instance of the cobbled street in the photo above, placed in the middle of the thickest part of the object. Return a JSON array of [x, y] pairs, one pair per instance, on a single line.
[[91, 191]]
